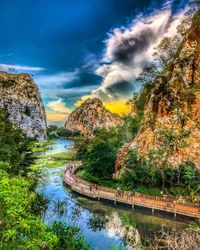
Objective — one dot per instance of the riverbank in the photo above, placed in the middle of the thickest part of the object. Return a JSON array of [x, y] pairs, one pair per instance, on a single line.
[[102, 225], [53, 153]]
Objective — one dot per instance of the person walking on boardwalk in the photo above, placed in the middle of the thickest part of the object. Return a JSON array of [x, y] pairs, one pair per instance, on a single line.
[[129, 195], [118, 192], [133, 192]]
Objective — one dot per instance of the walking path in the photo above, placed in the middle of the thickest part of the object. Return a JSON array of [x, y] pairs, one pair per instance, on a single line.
[[153, 202]]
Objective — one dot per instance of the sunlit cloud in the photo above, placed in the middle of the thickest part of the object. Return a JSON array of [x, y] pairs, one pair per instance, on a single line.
[[128, 50], [57, 111], [52, 116], [58, 106]]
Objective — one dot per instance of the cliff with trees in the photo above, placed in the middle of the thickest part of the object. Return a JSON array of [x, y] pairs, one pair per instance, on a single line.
[[20, 97], [157, 146], [170, 125]]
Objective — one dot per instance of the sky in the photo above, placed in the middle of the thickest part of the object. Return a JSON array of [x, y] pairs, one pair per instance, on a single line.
[[76, 49]]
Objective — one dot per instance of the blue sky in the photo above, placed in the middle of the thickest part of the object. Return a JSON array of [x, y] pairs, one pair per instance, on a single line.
[[77, 48]]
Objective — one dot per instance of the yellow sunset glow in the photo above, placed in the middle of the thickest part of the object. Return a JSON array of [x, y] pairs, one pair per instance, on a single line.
[[83, 98], [57, 111], [118, 107], [55, 117]]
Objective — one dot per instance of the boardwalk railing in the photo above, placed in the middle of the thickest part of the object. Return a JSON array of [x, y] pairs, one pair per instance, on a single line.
[[153, 202]]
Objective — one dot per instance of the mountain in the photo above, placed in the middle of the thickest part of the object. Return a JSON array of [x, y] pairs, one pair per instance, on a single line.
[[91, 115], [172, 112], [20, 97]]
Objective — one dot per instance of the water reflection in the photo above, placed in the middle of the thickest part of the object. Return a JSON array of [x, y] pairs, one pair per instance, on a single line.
[[101, 224], [97, 222]]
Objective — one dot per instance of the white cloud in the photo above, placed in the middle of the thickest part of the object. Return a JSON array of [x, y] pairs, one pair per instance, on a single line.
[[140, 35], [58, 106], [57, 111], [128, 49], [55, 80], [6, 67]]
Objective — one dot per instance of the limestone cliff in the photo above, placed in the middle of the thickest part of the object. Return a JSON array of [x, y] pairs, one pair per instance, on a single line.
[[91, 115], [172, 112], [21, 99]]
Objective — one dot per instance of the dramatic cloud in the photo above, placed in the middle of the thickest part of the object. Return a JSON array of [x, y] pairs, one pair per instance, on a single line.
[[128, 49], [72, 95], [67, 86], [117, 82], [7, 67], [65, 39]]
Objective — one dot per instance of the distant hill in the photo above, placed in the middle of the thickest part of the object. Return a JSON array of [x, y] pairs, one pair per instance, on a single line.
[[91, 115]]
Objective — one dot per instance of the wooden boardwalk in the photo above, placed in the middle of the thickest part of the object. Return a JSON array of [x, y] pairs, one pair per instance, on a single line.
[[147, 201]]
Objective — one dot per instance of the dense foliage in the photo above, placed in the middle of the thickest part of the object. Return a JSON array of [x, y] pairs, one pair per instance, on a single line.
[[182, 180], [54, 131], [20, 207], [98, 161], [99, 153], [15, 148]]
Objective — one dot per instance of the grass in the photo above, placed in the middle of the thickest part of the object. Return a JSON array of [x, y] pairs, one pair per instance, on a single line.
[[150, 191], [41, 146], [52, 160], [55, 160], [70, 155], [50, 164]]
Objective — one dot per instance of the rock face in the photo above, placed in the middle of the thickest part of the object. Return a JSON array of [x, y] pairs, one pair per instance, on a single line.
[[21, 99], [91, 115], [173, 109]]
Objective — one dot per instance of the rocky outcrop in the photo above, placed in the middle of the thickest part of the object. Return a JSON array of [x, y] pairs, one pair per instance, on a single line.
[[20, 97], [91, 115], [172, 113]]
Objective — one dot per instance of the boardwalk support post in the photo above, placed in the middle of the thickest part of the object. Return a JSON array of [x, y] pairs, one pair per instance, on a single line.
[[83, 187]]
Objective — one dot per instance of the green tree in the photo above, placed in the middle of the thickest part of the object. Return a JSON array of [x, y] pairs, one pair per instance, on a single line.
[[20, 207], [166, 50], [148, 75], [68, 237], [189, 176], [100, 158], [194, 6], [15, 148], [20, 229]]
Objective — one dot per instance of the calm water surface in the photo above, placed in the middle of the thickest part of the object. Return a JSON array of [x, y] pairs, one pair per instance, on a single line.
[[102, 224]]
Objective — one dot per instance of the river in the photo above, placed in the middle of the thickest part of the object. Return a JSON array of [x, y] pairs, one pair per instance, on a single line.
[[102, 224]]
